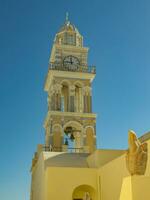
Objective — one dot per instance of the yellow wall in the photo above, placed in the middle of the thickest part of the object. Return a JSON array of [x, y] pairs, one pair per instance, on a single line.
[[37, 184], [126, 189], [111, 176], [101, 157], [60, 182], [107, 175], [148, 161], [141, 188], [135, 188]]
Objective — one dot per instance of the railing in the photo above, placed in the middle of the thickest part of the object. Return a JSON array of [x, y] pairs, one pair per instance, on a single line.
[[47, 148], [75, 150], [73, 68], [60, 149]]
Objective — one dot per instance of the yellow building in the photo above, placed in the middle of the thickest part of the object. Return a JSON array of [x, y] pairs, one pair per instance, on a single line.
[[68, 166]]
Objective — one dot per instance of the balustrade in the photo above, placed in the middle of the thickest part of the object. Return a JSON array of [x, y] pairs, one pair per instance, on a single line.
[[75, 68]]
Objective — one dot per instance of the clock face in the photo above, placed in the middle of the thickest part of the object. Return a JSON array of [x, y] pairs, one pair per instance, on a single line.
[[71, 62]]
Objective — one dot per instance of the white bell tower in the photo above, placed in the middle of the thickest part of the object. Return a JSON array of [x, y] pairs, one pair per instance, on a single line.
[[70, 122]]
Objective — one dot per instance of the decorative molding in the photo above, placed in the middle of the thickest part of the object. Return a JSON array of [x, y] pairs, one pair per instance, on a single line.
[[71, 90], [73, 75], [57, 88], [87, 90]]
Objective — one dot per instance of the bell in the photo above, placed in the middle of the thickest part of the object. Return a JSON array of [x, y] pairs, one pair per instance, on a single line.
[[68, 130], [72, 137], [66, 141]]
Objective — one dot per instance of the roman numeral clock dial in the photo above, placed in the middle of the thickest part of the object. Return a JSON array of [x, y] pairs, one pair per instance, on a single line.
[[71, 63]]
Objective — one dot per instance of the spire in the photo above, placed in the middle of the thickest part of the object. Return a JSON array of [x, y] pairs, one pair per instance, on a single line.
[[67, 18]]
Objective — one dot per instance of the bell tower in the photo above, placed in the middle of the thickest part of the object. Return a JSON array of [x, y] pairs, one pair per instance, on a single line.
[[70, 123]]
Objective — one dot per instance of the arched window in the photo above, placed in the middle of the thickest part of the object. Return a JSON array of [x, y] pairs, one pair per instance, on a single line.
[[69, 39]]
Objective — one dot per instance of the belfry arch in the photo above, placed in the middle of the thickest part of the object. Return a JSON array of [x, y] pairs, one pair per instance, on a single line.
[[77, 134]]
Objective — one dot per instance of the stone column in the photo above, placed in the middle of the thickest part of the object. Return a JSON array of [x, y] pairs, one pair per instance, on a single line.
[[49, 101], [87, 99], [77, 142], [52, 99], [91, 103], [47, 137], [59, 101], [57, 138], [85, 147], [85, 103], [80, 101], [72, 98], [56, 99]]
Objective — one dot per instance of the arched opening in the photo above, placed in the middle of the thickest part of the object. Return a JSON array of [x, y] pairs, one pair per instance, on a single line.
[[78, 98], [64, 97], [90, 140], [73, 136], [83, 192]]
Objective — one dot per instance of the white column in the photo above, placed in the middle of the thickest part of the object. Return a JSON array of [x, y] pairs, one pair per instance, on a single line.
[[80, 100], [72, 98], [57, 97], [77, 142], [47, 137]]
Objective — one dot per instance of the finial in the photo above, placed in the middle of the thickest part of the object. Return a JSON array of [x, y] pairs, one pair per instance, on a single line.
[[67, 17]]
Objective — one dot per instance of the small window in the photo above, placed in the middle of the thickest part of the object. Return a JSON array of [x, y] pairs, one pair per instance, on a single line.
[[70, 39]]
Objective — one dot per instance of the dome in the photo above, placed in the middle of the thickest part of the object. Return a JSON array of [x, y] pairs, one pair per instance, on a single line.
[[69, 27], [69, 35]]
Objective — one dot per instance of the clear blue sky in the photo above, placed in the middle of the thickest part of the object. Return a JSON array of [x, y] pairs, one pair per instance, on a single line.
[[118, 34]]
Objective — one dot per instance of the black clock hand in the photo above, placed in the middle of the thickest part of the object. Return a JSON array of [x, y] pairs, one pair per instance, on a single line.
[[67, 62], [71, 61]]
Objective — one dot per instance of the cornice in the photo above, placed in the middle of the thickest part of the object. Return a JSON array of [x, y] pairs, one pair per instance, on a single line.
[[66, 74], [51, 114]]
